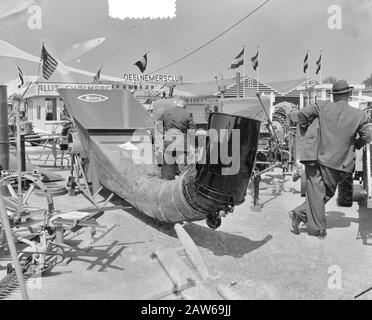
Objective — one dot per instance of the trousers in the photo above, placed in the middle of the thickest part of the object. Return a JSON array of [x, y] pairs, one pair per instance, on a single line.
[[175, 154], [321, 185]]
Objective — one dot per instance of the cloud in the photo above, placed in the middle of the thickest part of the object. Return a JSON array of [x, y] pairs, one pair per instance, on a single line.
[[356, 16], [8, 9], [138, 9]]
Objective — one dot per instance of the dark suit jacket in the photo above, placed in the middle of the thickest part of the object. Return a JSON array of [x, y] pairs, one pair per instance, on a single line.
[[177, 118], [310, 143], [336, 128]]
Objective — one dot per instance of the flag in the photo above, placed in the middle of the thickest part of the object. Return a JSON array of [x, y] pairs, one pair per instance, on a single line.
[[97, 77], [49, 63], [306, 62], [238, 61], [319, 64], [21, 79], [142, 63], [255, 61]]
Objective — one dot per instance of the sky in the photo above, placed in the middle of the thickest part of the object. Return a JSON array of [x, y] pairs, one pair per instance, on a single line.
[[284, 30]]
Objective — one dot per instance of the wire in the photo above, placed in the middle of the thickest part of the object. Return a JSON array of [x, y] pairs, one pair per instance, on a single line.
[[212, 40]]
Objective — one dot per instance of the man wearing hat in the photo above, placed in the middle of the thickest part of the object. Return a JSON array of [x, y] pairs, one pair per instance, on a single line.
[[176, 122], [333, 130]]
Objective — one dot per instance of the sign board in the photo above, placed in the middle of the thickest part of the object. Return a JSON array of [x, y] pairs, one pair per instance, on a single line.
[[51, 89], [14, 173], [165, 78]]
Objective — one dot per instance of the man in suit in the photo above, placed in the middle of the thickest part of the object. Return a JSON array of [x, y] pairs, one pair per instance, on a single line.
[[176, 122], [331, 130]]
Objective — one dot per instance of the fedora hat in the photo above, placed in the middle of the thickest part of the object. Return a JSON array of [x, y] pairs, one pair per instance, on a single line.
[[341, 86]]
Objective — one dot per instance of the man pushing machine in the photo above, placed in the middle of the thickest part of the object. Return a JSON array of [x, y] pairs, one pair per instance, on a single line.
[[330, 130]]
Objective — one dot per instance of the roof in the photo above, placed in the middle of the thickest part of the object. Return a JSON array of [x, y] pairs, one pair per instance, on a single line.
[[285, 87], [211, 88]]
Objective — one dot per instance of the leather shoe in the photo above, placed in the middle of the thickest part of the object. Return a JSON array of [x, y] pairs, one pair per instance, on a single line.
[[295, 222], [321, 234]]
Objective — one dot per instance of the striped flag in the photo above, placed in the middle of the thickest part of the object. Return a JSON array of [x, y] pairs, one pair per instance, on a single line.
[[49, 63], [21, 79], [238, 61], [306, 62], [142, 63], [255, 61], [319, 64], [97, 77]]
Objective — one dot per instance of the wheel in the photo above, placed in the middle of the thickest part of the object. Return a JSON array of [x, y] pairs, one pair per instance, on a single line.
[[359, 194], [213, 222], [30, 207], [345, 191]]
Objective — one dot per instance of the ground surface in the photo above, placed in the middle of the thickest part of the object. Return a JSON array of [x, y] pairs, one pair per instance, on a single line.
[[254, 253]]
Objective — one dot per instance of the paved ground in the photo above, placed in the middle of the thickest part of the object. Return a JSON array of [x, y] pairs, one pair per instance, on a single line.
[[252, 252]]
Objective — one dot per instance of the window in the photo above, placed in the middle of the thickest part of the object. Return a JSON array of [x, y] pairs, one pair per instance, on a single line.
[[51, 109], [124, 86]]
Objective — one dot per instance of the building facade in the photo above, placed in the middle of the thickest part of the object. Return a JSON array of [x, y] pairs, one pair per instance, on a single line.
[[44, 107], [297, 92]]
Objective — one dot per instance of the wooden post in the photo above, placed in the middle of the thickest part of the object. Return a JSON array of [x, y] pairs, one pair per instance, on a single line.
[[238, 84]]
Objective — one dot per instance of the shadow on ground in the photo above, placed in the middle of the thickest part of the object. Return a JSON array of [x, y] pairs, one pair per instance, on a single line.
[[102, 259], [222, 243], [338, 219], [218, 242], [365, 226]]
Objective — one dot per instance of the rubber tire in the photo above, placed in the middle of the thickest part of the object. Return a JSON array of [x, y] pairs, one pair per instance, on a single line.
[[345, 191], [359, 194], [213, 223]]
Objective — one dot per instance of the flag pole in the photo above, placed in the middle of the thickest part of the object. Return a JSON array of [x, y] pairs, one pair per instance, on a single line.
[[19, 159], [308, 77], [321, 67], [258, 70], [244, 71], [19, 154], [41, 59], [38, 71]]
